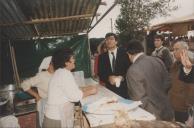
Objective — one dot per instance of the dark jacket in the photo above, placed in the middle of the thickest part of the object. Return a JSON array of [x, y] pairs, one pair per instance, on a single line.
[[122, 64]]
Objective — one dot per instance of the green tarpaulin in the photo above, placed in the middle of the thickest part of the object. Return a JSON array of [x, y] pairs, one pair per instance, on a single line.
[[29, 53]]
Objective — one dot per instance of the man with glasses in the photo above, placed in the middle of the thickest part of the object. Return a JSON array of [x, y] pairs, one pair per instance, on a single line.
[[182, 90]]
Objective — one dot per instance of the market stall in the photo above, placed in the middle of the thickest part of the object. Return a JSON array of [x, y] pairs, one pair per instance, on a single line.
[[31, 30]]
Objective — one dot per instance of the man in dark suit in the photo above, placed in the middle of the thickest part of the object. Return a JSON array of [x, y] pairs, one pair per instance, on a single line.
[[148, 81], [113, 66]]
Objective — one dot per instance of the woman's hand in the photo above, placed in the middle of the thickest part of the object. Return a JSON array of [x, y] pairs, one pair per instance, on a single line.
[[37, 98], [90, 90]]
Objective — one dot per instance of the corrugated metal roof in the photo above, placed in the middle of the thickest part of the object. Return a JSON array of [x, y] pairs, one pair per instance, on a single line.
[[33, 18]]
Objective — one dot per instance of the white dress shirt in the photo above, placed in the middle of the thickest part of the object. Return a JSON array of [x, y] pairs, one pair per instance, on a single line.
[[137, 56], [111, 56]]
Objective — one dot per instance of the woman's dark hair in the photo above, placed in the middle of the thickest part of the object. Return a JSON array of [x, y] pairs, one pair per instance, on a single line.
[[60, 57], [134, 47]]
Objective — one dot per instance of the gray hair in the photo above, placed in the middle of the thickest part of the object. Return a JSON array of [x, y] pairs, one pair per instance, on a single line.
[[191, 55], [183, 44]]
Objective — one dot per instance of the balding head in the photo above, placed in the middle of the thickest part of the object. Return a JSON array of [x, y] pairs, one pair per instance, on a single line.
[[178, 47], [182, 44]]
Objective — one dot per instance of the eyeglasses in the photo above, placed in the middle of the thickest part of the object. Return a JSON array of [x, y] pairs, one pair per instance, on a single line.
[[176, 49]]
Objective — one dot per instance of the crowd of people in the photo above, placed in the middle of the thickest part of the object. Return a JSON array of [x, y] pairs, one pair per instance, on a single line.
[[164, 82]]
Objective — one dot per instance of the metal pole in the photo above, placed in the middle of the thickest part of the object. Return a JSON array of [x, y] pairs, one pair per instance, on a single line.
[[111, 25], [90, 54]]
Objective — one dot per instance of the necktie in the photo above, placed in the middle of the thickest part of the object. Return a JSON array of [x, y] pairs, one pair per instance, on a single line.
[[113, 62]]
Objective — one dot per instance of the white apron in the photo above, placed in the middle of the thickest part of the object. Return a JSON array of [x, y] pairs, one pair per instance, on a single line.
[[67, 115], [41, 109]]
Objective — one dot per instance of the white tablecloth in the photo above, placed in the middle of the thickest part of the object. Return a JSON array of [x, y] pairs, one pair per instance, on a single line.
[[97, 120]]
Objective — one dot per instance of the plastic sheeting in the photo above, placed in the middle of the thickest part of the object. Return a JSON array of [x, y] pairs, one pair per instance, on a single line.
[[29, 53]]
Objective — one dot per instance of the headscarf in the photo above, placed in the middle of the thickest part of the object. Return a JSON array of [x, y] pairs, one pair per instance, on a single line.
[[45, 63]]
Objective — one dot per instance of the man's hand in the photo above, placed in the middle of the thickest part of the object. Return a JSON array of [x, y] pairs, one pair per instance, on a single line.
[[90, 89], [185, 60], [111, 79]]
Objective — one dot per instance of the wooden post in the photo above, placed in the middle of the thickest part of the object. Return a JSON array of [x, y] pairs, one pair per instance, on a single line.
[[1, 72], [14, 65]]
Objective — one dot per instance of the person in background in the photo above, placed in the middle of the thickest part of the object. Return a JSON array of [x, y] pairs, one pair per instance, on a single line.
[[100, 49], [182, 91], [149, 81], [63, 92], [41, 82], [162, 52], [113, 66]]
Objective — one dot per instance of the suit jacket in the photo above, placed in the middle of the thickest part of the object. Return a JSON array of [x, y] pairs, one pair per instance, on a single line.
[[148, 80], [121, 66]]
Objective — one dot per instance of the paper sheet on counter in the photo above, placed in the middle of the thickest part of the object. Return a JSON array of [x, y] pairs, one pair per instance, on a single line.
[[102, 119], [110, 105], [137, 114]]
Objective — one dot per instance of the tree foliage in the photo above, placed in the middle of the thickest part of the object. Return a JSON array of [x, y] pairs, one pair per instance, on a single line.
[[135, 15]]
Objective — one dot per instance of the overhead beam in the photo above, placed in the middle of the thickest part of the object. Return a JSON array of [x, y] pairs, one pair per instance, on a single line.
[[38, 21], [45, 35], [95, 13], [114, 4]]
